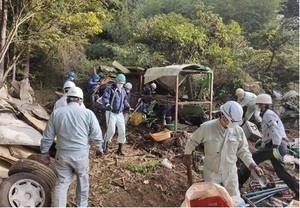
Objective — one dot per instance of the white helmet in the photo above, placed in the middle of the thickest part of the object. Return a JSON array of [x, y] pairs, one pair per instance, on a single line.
[[69, 84], [128, 86], [153, 86], [233, 111], [264, 99], [239, 92], [75, 92]]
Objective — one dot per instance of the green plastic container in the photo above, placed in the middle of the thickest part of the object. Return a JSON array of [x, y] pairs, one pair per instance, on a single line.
[[192, 110], [171, 126]]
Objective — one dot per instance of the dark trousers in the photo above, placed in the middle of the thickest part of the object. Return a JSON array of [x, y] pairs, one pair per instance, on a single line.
[[266, 153]]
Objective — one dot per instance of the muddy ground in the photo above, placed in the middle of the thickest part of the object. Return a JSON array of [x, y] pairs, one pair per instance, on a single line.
[[139, 179]]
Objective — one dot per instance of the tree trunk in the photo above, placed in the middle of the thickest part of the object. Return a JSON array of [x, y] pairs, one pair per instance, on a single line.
[[3, 37]]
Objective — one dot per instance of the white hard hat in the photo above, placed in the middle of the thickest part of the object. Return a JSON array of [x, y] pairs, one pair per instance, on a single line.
[[75, 92], [153, 85], [239, 92], [128, 86], [69, 84], [264, 99], [233, 112]]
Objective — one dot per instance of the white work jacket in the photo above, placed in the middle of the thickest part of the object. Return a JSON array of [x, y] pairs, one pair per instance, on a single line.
[[247, 100], [272, 128], [61, 102], [222, 146]]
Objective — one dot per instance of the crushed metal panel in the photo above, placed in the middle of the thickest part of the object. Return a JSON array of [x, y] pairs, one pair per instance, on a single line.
[[14, 131]]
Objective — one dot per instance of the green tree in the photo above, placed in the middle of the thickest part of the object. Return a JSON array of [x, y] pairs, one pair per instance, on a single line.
[[150, 8], [252, 15], [47, 24]]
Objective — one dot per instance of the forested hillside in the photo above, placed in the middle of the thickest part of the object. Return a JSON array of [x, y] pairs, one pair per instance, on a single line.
[[252, 43]]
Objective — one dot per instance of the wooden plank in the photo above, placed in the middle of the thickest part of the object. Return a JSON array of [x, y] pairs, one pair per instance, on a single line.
[[121, 67], [38, 124]]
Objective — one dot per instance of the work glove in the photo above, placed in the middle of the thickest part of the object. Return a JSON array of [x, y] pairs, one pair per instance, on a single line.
[[46, 158], [187, 160], [108, 107], [277, 154], [99, 153]]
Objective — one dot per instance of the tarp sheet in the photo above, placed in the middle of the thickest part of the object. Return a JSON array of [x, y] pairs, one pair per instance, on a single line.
[[167, 74]]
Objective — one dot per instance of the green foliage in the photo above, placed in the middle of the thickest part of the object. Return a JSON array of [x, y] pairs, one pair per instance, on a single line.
[[151, 8], [165, 33], [150, 33], [135, 54], [252, 15], [140, 168]]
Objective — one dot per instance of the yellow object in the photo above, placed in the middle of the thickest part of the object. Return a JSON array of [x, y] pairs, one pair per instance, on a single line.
[[162, 135], [136, 118]]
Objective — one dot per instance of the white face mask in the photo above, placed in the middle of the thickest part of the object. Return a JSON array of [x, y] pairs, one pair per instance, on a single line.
[[119, 85], [72, 78], [127, 91]]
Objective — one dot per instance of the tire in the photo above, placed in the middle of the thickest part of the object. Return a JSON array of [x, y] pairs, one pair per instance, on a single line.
[[36, 168], [24, 190], [37, 157]]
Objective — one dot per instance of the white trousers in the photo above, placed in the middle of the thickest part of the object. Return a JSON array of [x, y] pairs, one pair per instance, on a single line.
[[114, 120], [67, 163], [228, 179]]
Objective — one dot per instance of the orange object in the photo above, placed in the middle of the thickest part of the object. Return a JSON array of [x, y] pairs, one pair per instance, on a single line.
[[162, 135], [207, 194]]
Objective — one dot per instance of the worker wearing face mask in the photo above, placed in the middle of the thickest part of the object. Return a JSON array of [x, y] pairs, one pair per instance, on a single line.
[[115, 100], [274, 145], [224, 142], [128, 88]]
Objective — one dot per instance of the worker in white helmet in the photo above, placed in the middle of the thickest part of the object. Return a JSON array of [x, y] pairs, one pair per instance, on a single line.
[[148, 90], [73, 126], [273, 147], [128, 87], [61, 102], [224, 142], [248, 99]]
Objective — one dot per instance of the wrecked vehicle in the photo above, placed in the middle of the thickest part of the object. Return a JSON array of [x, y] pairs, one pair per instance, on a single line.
[[24, 179]]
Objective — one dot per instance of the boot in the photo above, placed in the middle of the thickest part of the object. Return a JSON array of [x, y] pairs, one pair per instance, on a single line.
[[105, 147], [120, 151], [168, 120]]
